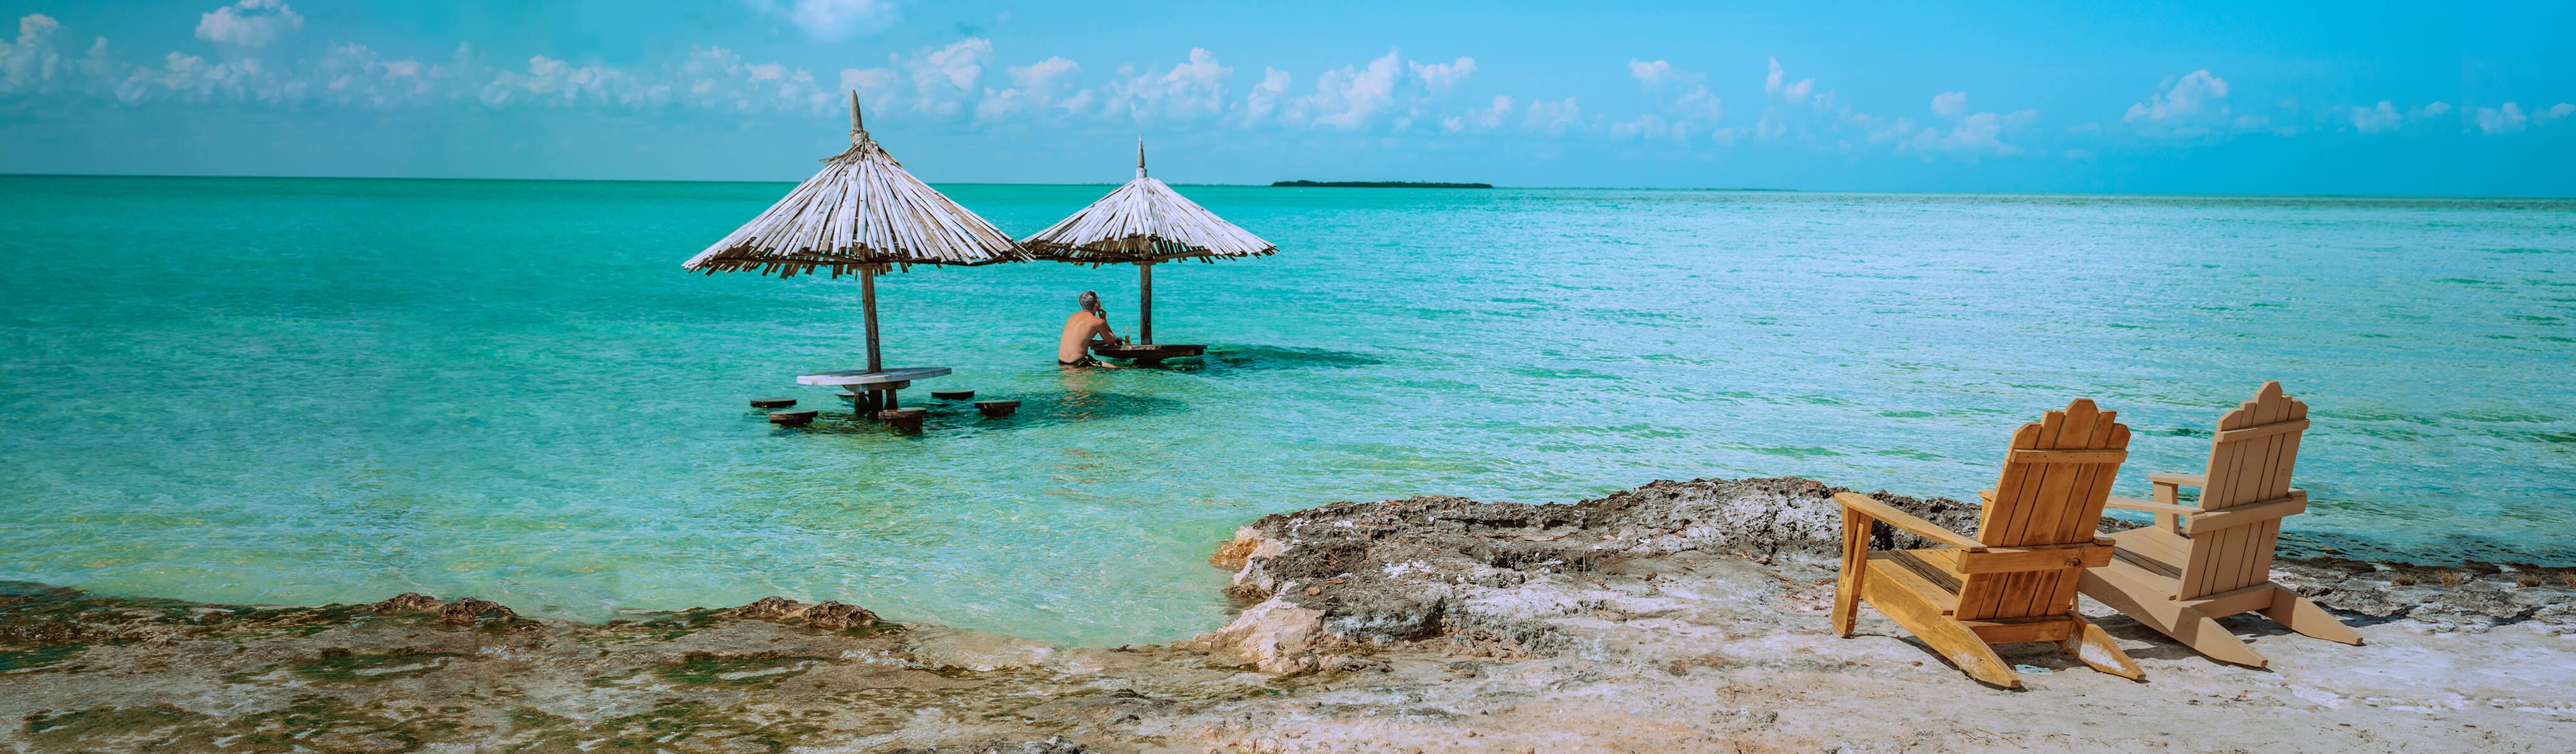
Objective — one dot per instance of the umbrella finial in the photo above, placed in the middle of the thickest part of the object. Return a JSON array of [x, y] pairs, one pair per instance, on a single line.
[[858, 129], [1140, 157]]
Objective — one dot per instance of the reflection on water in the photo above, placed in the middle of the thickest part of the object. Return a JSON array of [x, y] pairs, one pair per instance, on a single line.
[[272, 398]]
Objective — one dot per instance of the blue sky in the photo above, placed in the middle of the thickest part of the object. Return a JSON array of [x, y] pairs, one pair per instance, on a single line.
[[2354, 98]]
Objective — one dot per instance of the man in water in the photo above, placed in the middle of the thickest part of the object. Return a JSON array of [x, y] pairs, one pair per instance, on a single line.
[[1074, 348]]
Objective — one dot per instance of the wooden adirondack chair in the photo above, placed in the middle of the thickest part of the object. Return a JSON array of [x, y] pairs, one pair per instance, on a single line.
[[2016, 581], [2196, 565]]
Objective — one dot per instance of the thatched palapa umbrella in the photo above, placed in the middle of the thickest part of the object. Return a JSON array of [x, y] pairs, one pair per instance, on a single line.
[[861, 214], [1144, 223]]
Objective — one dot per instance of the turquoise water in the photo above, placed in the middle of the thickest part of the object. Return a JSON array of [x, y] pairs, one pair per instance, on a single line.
[[296, 391]]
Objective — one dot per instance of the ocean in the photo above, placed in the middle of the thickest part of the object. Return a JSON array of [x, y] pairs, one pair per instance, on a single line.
[[307, 390]]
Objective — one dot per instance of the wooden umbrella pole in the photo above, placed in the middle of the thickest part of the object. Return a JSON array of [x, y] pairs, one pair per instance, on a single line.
[[1145, 303], [868, 299]]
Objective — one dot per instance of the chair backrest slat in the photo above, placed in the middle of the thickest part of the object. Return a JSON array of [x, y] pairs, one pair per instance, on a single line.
[[2055, 479], [2256, 447]]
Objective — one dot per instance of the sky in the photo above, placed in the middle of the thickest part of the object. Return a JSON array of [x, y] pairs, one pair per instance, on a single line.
[[2208, 98]]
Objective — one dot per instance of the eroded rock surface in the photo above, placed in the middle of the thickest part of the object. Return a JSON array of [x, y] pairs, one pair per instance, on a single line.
[[1679, 616]]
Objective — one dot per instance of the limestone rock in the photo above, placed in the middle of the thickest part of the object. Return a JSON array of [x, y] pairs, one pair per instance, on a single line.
[[826, 615], [407, 602], [468, 611]]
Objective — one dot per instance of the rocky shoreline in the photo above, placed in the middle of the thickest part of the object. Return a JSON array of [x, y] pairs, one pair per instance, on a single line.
[[1677, 616]]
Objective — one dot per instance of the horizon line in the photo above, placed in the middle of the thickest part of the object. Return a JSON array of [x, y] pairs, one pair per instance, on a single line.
[[1495, 187]]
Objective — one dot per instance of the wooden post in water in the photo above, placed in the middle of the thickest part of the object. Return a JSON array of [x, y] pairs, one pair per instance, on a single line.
[[1145, 302], [868, 298]]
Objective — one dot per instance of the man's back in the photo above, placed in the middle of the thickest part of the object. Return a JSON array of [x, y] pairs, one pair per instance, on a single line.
[[1075, 345]]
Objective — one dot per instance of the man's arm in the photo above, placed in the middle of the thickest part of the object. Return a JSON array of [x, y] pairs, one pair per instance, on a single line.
[[1101, 330]]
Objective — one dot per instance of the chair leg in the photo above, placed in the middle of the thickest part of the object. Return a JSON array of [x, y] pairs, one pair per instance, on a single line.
[[2298, 614], [1956, 643], [2093, 645], [1855, 565], [2183, 624]]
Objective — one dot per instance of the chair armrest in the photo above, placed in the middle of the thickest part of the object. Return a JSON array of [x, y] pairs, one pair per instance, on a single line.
[[2293, 504], [2178, 480], [1853, 501], [2131, 503]]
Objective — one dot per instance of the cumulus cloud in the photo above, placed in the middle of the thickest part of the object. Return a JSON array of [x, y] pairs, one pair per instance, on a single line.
[[1034, 88], [249, 23], [1347, 97], [1485, 118], [1553, 117], [1685, 104], [2385, 117], [1970, 133], [1950, 104], [833, 20], [943, 78], [31, 64], [1441, 77], [2193, 104], [1194, 89], [1777, 84], [2510, 118], [1266, 97]]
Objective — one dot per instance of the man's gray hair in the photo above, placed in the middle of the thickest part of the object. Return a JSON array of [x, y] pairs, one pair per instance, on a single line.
[[1090, 301]]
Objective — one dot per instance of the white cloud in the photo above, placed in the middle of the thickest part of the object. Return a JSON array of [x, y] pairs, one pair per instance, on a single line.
[[834, 20], [1777, 84], [2504, 120], [1553, 117], [942, 79], [1686, 105], [249, 23], [352, 74], [1347, 97], [1650, 74], [874, 85], [2497, 121], [1441, 77], [31, 64], [1266, 97], [1974, 133], [1034, 87], [2195, 96], [1950, 104], [1481, 119], [1189, 90], [2385, 117]]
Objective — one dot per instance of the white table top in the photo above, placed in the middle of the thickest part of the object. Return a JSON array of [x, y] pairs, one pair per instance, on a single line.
[[865, 377]]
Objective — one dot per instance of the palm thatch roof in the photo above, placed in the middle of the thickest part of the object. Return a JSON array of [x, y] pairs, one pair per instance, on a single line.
[[861, 212], [1143, 221]]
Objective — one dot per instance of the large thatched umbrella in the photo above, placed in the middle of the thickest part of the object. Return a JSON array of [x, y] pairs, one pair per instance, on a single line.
[[861, 214], [1144, 223]]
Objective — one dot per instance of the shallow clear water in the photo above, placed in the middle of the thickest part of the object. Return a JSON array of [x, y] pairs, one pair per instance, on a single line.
[[296, 391]]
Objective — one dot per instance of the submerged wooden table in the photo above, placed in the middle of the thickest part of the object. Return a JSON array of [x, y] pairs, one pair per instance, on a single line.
[[1149, 352], [875, 389]]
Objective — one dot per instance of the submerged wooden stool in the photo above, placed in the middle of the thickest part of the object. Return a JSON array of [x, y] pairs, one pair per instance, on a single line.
[[997, 409], [952, 395], [904, 420], [772, 402], [792, 418]]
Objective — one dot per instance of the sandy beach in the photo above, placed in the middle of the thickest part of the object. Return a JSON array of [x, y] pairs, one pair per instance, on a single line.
[[1678, 616]]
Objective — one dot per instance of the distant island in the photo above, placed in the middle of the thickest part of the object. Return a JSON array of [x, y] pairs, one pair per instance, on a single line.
[[1377, 184]]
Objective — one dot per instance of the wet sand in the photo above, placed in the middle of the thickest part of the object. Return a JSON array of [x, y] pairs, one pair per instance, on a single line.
[[1680, 616]]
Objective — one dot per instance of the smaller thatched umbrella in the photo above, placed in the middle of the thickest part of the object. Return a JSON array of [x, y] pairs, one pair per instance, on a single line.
[[1144, 223], [861, 214]]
